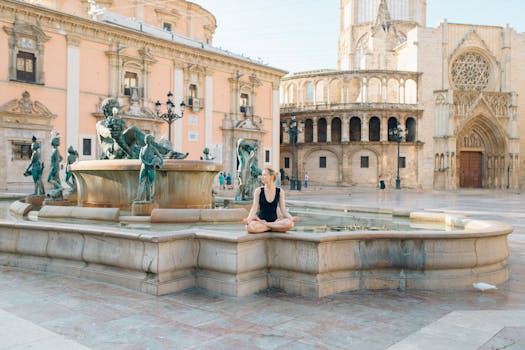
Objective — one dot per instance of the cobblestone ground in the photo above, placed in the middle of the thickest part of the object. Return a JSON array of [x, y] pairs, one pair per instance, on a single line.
[[102, 316]]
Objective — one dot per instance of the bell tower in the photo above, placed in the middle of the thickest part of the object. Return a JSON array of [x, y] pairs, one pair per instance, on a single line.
[[370, 29]]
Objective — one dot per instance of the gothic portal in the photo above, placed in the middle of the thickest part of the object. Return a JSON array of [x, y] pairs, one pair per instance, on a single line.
[[448, 90]]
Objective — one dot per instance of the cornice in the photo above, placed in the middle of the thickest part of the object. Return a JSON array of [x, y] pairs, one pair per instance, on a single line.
[[63, 23]]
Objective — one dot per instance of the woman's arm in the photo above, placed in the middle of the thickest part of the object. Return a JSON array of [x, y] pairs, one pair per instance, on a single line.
[[282, 206], [255, 205]]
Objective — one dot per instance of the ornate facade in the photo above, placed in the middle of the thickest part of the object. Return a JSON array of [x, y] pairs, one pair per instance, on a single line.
[[64, 58], [450, 89]]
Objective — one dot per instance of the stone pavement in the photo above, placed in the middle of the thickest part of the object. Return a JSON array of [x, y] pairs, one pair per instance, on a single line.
[[49, 311]]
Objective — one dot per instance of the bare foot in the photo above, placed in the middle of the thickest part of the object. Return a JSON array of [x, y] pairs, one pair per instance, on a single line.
[[295, 218]]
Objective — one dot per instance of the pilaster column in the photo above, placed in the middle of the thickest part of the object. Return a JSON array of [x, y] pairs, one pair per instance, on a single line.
[[178, 95], [208, 112], [384, 128], [73, 91]]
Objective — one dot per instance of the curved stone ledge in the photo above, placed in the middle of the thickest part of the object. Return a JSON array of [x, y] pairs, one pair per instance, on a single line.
[[20, 208], [239, 264]]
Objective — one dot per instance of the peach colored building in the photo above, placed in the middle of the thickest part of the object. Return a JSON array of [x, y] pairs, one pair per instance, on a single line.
[[62, 59]]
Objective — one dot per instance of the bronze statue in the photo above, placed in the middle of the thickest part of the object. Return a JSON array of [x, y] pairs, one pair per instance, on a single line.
[[151, 160], [247, 172], [35, 168], [70, 179], [118, 141], [206, 154], [54, 173]]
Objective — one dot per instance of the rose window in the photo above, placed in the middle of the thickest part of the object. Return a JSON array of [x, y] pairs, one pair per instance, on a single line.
[[471, 71]]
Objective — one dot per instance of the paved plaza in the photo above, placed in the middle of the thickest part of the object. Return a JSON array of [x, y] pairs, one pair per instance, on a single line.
[[49, 311]]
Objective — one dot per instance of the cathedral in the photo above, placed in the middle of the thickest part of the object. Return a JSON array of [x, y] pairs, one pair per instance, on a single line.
[[420, 107]]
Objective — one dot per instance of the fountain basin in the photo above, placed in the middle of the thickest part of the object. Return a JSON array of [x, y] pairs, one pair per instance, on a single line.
[[229, 261], [179, 184]]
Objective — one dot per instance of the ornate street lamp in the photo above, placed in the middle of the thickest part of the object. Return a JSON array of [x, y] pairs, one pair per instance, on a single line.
[[397, 134], [292, 131], [170, 116]]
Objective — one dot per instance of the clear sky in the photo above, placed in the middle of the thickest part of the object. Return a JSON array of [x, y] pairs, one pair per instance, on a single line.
[[299, 35]]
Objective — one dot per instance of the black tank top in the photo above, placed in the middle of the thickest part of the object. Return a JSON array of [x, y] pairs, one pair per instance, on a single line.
[[267, 210]]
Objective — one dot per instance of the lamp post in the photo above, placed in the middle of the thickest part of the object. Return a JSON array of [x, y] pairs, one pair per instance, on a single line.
[[396, 134], [170, 116], [292, 131]]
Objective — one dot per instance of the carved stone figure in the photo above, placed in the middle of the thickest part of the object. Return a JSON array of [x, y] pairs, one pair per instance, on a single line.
[[248, 172], [151, 159], [118, 141], [72, 157], [54, 173], [35, 169]]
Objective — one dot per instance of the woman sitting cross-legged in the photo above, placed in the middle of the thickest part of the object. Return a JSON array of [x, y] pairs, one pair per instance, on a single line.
[[263, 214]]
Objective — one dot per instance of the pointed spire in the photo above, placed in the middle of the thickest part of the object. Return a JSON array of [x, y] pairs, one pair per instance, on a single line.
[[383, 16]]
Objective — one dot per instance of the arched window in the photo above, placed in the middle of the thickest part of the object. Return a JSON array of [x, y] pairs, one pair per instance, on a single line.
[[374, 129], [310, 92], [411, 130], [308, 130], [321, 130], [355, 129], [392, 124], [336, 130]]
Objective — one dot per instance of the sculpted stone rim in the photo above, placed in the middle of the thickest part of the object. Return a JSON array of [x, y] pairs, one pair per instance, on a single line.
[[235, 263], [134, 164]]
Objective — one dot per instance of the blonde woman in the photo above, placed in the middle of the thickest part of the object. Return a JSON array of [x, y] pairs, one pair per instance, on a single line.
[[263, 214]]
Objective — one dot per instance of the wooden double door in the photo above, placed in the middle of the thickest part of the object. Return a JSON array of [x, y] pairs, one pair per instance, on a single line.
[[470, 165]]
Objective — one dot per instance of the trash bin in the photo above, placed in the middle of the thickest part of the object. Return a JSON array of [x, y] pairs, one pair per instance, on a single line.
[[298, 184]]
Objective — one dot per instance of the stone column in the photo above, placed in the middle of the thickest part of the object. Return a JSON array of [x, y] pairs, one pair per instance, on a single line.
[[345, 128], [365, 123], [73, 91], [208, 112], [329, 129], [384, 128], [315, 129]]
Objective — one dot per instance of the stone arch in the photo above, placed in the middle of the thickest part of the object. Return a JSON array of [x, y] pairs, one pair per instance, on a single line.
[[392, 124], [374, 129], [321, 130], [411, 129], [308, 130], [361, 175], [481, 157], [331, 175], [355, 129], [336, 129]]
